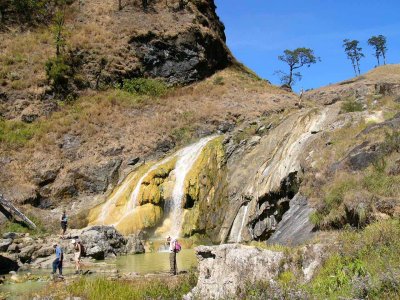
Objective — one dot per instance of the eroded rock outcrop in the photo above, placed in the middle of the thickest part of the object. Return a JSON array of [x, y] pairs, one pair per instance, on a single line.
[[226, 269]]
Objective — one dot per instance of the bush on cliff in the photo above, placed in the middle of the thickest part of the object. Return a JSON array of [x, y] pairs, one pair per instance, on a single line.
[[145, 86]]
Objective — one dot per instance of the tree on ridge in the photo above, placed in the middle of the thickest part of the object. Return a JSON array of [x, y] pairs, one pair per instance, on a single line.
[[379, 44], [354, 53], [296, 59]]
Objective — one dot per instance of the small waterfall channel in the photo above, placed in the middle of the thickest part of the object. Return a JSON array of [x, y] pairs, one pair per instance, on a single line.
[[186, 158], [173, 208]]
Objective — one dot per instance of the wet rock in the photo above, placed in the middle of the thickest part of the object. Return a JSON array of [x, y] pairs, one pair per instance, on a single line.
[[7, 264], [4, 244], [359, 158], [295, 226], [226, 268]]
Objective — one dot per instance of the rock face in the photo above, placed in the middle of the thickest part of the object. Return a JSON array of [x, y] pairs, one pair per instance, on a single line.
[[183, 58], [226, 269], [262, 175], [295, 226]]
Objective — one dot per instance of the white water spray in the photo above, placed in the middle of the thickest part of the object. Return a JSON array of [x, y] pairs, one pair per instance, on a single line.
[[131, 205], [186, 158], [239, 237]]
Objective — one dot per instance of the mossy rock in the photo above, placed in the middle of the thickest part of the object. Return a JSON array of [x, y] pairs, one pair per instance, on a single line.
[[145, 216]]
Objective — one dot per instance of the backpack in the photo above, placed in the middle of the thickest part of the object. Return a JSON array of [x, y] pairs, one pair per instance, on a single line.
[[178, 247], [83, 250]]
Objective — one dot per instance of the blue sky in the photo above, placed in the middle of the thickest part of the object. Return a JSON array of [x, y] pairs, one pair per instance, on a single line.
[[259, 30]]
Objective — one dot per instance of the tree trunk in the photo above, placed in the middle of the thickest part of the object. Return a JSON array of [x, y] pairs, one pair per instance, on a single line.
[[14, 212], [290, 77], [354, 66], [377, 57], [119, 4], [384, 58]]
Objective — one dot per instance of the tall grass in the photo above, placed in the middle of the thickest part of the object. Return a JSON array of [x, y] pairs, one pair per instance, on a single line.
[[103, 288]]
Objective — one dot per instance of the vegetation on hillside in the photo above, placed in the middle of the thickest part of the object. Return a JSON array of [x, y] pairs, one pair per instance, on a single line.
[[359, 265]]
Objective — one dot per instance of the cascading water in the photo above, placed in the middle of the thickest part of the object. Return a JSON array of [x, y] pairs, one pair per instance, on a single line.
[[119, 192], [131, 205], [235, 235], [239, 238], [186, 158], [127, 213]]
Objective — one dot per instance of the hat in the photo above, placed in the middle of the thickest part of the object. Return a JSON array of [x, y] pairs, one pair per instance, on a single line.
[[73, 241]]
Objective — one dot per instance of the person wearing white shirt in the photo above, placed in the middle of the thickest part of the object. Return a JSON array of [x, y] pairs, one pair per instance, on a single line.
[[172, 255]]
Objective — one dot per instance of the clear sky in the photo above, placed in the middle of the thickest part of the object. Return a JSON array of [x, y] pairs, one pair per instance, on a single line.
[[259, 30]]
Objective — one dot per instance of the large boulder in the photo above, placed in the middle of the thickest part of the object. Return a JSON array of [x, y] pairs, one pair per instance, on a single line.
[[134, 244], [226, 268], [102, 241]]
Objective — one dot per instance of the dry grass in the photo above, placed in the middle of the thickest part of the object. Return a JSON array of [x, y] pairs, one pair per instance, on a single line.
[[22, 59]]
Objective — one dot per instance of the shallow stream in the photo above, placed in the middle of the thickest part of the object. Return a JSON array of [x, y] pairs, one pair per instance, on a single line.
[[152, 262]]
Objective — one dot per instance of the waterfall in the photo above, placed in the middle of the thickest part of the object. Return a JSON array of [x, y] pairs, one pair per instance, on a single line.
[[239, 238], [131, 204], [119, 192], [186, 158], [235, 236], [121, 209]]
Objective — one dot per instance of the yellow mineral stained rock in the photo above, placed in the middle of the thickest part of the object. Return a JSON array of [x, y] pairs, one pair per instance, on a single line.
[[146, 216]]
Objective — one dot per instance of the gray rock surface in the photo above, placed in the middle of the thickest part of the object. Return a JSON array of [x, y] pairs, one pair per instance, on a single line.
[[226, 269], [295, 227], [223, 269]]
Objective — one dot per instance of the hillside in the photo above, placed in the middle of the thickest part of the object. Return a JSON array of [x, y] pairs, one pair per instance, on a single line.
[[144, 126], [62, 153]]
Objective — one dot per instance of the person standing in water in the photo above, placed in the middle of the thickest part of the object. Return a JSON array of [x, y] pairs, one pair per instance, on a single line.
[[58, 262], [172, 255], [64, 222]]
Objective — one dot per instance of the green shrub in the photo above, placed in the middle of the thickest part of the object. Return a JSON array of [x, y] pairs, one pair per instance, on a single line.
[[145, 86], [29, 10], [17, 133], [58, 72], [351, 105]]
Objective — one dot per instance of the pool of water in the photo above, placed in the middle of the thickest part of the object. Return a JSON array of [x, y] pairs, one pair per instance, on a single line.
[[152, 262], [155, 262]]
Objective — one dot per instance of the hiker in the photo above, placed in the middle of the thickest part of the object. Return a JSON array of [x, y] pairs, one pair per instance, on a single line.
[[78, 249], [64, 221], [57, 263], [174, 248]]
